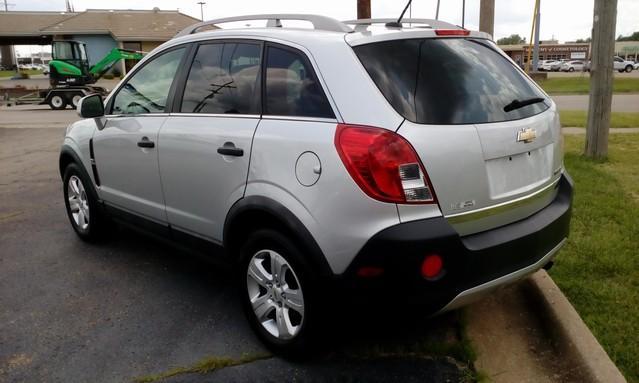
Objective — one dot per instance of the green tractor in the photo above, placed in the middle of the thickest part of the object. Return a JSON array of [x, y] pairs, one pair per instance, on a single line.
[[71, 76]]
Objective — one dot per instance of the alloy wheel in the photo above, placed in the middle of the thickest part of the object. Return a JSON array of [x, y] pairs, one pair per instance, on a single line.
[[275, 294], [78, 203]]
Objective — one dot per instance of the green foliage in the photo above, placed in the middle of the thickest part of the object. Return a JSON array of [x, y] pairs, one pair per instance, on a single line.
[[581, 85], [512, 40], [632, 37], [578, 118], [598, 270]]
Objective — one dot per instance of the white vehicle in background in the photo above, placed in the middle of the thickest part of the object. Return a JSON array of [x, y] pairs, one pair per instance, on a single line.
[[548, 65], [623, 65], [636, 66], [571, 66]]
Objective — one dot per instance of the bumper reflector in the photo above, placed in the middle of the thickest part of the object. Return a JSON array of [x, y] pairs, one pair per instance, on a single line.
[[432, 266]]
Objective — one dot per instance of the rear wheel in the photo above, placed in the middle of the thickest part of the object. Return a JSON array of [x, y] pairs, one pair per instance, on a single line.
[[277, 292], [75, 100], [57, 102], [628, 68]]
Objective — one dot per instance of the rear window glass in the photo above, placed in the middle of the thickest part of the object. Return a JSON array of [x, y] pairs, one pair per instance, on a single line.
[[448, 81]]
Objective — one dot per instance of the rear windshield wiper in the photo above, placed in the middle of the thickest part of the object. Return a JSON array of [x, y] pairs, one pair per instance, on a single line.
[[516, 104]]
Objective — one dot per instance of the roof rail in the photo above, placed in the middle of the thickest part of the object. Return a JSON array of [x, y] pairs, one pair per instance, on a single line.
[[435, 24], [274, 21]]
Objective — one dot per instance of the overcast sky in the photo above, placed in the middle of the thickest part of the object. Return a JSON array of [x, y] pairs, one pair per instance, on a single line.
[[566, 20]]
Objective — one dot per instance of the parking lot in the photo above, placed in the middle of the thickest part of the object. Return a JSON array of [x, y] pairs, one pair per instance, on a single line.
[[131, 307]]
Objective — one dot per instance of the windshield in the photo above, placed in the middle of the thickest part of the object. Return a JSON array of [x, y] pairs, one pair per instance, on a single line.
[[449, 81]]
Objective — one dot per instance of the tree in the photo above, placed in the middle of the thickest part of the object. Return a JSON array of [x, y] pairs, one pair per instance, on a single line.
[[632, 37], [511, 40], [587, 40]]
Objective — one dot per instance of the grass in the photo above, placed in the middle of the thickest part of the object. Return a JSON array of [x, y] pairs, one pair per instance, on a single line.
[[10, 73], [204, 366], [581, 85], [578, 118], [599, 268]]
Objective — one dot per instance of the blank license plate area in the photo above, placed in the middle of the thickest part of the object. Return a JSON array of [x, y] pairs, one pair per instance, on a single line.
[[519, 173]]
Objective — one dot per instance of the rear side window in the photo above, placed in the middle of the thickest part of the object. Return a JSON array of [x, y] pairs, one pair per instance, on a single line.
[[148, 89], [448, 81], [292, 88], [224, 78]]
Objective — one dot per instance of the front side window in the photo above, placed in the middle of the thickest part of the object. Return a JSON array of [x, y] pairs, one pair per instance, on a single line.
[[224, 78], [148, 89], [449, 81], [292, 88], [63, 51]]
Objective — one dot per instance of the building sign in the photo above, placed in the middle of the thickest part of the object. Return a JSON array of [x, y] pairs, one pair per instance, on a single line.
[[563, 48], [578, 55]]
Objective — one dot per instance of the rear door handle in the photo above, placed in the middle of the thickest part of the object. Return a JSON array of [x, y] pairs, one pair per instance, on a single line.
[[229, 149], [146, 143]]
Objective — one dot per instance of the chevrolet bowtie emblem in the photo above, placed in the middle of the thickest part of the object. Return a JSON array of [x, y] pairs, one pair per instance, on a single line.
[[526, 135]]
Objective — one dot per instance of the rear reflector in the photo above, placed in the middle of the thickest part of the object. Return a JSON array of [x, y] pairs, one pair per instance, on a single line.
[[383, 164], [370, 271], [452, 32], [432, 266]]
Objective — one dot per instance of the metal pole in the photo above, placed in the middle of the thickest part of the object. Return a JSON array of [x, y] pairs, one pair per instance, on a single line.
[[201, 10], [363, 9], [463, 13], [536, 48], [437, 11], [601, 77]]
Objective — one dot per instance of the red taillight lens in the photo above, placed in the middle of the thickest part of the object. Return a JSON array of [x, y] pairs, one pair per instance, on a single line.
[[452, 32], [383, 164], [432, 266]]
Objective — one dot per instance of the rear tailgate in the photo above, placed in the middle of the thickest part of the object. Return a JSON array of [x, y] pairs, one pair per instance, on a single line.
[[489, 137]]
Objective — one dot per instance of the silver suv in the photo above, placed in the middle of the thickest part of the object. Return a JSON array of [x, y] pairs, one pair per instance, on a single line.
[[418, 163]]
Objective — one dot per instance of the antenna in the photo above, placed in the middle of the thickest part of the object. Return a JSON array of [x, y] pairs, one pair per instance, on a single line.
[[398, 23]]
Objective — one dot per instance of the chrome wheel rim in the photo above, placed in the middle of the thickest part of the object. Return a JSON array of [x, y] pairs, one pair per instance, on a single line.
[[275, 294], [78, 202], [56, 101]]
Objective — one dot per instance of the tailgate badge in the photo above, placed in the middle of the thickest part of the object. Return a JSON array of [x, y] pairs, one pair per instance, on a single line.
[[526, 135]]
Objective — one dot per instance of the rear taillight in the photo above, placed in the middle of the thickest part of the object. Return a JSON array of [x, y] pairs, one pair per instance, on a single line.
[[452, 32], [383, 164]]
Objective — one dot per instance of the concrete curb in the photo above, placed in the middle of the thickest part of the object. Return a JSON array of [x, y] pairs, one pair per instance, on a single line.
[[575, 130], [572, 335]]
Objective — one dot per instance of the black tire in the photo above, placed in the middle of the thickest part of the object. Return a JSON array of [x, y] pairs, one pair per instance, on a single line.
[[571, 69], [75, 99], [628, 68], [57, 102], [305, 341], [96, 221]]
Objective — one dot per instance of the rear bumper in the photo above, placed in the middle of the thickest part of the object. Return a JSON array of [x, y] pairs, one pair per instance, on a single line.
[[473, 265]]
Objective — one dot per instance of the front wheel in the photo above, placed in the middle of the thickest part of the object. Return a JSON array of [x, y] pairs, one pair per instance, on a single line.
[[628, 68], [277, 292], [571, 69], [82, 206]]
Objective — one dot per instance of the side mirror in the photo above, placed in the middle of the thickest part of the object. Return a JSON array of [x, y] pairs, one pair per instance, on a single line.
[[91, 106]]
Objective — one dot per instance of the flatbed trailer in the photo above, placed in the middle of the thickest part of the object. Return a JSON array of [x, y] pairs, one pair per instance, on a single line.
[[58, 98]]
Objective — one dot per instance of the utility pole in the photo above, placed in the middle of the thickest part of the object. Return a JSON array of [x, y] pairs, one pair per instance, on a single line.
[[363, 9], [201, 10], [487, 16], [601, 77], [536, 47], [463, 13], [437, 11]]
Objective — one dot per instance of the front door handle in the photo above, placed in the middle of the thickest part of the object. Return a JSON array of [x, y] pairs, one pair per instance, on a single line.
[[229, 149], [146, 143]]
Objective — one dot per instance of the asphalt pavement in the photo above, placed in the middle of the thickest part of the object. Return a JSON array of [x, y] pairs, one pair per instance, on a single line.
[[131, 307]]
